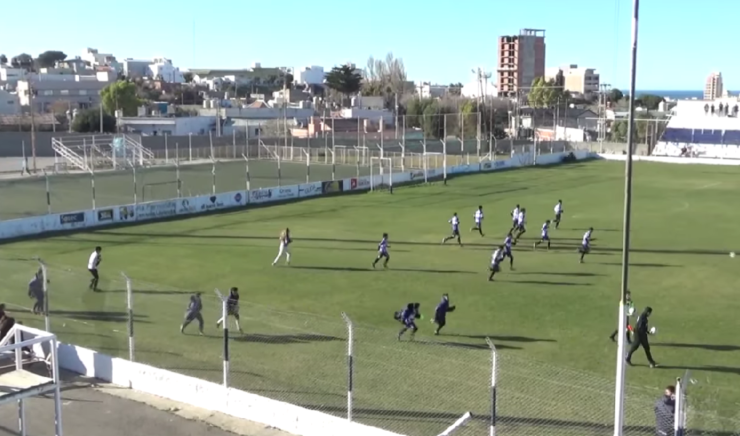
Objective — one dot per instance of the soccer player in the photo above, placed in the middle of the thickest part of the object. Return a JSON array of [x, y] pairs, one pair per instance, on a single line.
[[558, 213], [641, 337], [192, 313], [496, 259], [514, 218], [521, 222], [36, 292], [440, 313], [507, 250], [232, 308], [478, 217], [630, 311], [545, 237], [284, 248], [92, 265], [455, 223], [586, 243], [383, 252], [408, 318]]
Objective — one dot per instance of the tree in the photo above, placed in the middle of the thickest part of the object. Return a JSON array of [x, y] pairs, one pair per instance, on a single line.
[[544, 93], [385, 78], [187, 77], [615, 95], [650, 101], [344, 80], [89, 122], [23, 60], [455, 89], [3, 59], [50, 58], [288, 80], [121, 95]]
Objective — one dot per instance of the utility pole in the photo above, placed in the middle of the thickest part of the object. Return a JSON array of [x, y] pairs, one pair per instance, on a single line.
[[31, 93]]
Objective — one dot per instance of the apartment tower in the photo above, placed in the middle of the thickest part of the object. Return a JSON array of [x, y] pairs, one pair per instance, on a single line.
[[521, 59], [713, 87]]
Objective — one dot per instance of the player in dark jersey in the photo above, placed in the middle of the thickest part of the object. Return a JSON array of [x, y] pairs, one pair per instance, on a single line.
[[232, 308], [193, 313], [440, 313]]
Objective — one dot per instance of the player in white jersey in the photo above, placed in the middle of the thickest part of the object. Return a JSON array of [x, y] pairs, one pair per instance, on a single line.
[[383, 251], [521, 221], [514, 218], [545, 236], [586, 243], [284, 247], [455, 223], [507, 250], [478, 217], [558, 213], [496, 259], [92, 265]]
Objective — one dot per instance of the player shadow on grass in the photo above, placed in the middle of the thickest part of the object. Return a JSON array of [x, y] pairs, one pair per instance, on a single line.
[[85, 315], [640, 264], [709, 368], [467, 345], [300, 338], [563, 274], [368, 269], [524, 339], [150, 292], [544, 283], [708, 347]]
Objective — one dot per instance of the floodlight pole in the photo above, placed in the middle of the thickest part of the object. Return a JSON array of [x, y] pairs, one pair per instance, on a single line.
[[620, 382]]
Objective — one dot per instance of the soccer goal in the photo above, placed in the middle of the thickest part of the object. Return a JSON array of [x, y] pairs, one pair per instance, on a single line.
[[29, 368], [381, 173], [161, 190], [434, 166]]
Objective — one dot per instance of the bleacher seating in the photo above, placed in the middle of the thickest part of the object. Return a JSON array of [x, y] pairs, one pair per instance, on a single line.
[[712, 137]]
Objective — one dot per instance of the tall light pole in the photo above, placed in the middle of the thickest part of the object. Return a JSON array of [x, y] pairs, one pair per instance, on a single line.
[[620, 382]]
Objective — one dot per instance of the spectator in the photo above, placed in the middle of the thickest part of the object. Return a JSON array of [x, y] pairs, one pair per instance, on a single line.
[[665, 412]]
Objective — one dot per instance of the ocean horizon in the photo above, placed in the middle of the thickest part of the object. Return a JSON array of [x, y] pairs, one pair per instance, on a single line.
[[673, 95]]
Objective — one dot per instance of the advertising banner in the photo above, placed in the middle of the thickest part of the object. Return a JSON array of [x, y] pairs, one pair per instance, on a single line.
[[357, 184], [105, 215], [331, 187], [260, 195], [68, 219], [310, 189], [156, 209], [126, 213], [284, 193]]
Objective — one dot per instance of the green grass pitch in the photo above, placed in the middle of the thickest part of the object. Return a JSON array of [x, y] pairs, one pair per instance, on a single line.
[[72, 192], [550, 318]]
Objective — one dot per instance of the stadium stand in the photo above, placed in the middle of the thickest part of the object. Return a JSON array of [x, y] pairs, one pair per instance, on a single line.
[[693, 132]]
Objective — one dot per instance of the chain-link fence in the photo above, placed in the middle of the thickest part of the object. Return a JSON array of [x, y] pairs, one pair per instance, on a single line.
[[334, 365]]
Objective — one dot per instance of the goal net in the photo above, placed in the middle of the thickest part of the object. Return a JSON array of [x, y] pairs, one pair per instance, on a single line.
[[381, 174]]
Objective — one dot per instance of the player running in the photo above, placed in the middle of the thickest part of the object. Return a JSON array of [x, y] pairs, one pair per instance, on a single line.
[[92, 265], [383, 251], [521, 222], [478, 217], [232, 308], [514, 218], [284, 248], [455, 223], [507, 250], [440, 313], [496, 259], [545, 237], [586, 244], [558, 213], [408, 319], [192, 313]]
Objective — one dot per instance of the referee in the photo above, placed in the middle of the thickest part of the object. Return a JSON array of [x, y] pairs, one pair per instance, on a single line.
[[92, 265]]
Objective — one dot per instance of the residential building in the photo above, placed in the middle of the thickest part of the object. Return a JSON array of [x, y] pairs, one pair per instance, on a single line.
[[53, 95], [161, 126], [521, 59], [135, 68], [162, 69], [256, 74], [9, 104], [11, 75], [713, 88], [94, 58], [429, 90], [312, 75], [576, 80]]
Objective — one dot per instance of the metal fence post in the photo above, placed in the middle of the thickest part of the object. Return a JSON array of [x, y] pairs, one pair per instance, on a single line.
[[45, 284], [130, 315], [494, 368], [350, 364], [225, 315]]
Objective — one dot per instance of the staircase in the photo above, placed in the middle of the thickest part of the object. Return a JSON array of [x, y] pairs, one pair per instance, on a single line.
[[68, 154], [131, 148]]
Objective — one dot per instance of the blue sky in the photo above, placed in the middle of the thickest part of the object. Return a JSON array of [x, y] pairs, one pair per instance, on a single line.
[[439, 41]]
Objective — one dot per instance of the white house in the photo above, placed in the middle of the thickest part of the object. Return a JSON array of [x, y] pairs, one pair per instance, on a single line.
[[96, 59], [313, 75], [11, 75], [163, 69], [429, 90], [9, 103]]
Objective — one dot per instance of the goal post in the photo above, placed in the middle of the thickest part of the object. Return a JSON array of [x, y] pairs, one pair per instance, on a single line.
[[431, 162], [381, 173]]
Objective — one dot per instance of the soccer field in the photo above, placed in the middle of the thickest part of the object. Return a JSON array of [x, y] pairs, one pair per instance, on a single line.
[[550, 318]]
